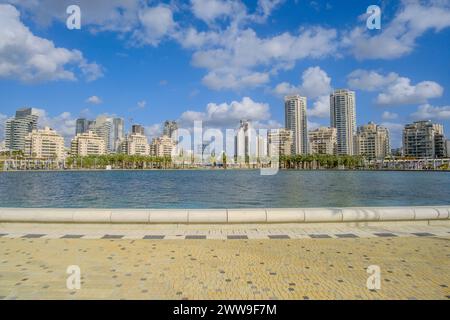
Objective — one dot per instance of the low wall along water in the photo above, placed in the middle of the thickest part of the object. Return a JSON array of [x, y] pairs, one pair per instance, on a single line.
[[213, 216]]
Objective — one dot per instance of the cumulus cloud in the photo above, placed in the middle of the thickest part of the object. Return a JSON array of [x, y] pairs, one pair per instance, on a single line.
[[94, 100], [210, 10], [157, 23], [429, 112], [400, 35], [141, 104], [29, 58], [315, 83], [394, 89], [228, 115], [321, 108]]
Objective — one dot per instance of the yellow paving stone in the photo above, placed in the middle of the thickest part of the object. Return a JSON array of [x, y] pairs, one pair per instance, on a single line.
[[411, 268]]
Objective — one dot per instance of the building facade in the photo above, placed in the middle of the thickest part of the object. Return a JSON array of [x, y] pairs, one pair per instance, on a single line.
[[17, 128], [135, 144], [279, 142], [162, 147], [447, 148], [323, 141], [296, 121], [424, 139], [112, 130], [45, 144], [137, 128], [372, 141], [343, 118], [87, 144]]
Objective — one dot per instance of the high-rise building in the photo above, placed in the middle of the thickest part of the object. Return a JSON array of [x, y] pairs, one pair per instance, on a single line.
[[169, 128], [17, 128], [279, 142], [372, 141], [296, 121], [86, 144], [424, 139], [135, 144], [83, 125], [162, 146], [44, 144], [322, 141], [249, 146], [137, 128], [343, 118], [118, 133], [3, 146]]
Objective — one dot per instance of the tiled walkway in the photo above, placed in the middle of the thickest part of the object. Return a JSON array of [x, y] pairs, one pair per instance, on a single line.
[[286, 264]]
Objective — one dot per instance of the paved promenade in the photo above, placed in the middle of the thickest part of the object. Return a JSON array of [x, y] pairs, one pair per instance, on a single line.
[[225, 261]]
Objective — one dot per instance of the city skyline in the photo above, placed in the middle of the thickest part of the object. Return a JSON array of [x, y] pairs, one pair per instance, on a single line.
[[390, 92]]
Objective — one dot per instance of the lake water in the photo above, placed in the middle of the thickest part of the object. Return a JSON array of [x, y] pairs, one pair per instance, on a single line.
[[222, 189]]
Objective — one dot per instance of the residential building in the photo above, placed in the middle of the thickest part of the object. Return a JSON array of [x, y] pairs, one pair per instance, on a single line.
[[322, 141], [44, 144], [424, 139], [3, 146], [279, 142], [296, 121], [343, 118], [135, 144], [372, 141], [86, 144], [162, 146], [112, 130], [18, 127], [118, 133]]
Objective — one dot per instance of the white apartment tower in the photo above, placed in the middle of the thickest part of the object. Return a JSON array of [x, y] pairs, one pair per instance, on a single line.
[[343, 118], [322, 141], [296, 121]]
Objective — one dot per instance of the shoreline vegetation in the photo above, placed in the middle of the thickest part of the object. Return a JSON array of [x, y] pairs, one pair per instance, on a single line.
[[17, 162]]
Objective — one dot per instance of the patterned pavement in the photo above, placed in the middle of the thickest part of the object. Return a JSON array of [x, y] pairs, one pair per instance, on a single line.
[[289, 262]]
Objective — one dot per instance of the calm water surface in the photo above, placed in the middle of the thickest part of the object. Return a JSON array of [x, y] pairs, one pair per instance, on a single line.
[[222, 189]]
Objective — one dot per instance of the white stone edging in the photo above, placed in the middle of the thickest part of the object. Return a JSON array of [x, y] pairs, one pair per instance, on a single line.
[[218, 216]]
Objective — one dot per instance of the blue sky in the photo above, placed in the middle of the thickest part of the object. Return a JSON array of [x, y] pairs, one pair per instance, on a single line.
[[222, 60]]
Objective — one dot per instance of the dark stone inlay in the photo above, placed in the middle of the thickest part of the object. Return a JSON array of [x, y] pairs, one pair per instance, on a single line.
[[423, 234], [72, 236], [385, 234], [154, 237], [347, 235], [279, 236], [236, 237], [3, 234], [195, 237], [112, 236], [33, 235], [319, 236]]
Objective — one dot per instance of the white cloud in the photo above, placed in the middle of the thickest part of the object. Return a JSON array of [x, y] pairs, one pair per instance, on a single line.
[[402, 92], [398, 37], [94, 100], [29, 58], [153, 131], [219, 80], [157, 23], [389, 115], [394, 89], [239, 53], [315, 83], [141, 104], [429, 112], [228, 115], [321, 108], [210, 10]]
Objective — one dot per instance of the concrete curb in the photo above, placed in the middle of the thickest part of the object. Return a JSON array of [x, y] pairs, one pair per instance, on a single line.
[[220, 216]]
